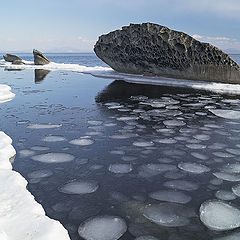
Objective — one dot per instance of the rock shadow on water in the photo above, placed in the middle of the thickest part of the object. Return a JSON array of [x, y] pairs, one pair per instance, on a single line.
[[120, 89], [40, 74]]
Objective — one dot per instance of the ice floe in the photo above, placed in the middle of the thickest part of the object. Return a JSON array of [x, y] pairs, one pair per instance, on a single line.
[[173, 123], [40, 173], [102, 228], [231, 177], [168, 214], [232, 168], [79, 187], [193, 167], [143, 144], [82, 142], [225, 195], [53, 138], [26, 153], [219, 216], [5, 93], [181, 185], [43, 126], [120, 168], [170, 196], [236, 190], [228, 114], [53, 157]]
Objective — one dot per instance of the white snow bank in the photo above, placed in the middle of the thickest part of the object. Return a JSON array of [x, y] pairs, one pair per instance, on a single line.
[[6, 151], [21, 217], [5, 93], [55, 66], [107, 72]]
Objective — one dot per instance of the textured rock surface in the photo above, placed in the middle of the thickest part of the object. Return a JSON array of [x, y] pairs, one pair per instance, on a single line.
[[11, 58], [152, 49], [39, 58]]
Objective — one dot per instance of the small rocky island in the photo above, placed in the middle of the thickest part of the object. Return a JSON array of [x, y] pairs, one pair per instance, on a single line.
[[152, 49], [39, 58]]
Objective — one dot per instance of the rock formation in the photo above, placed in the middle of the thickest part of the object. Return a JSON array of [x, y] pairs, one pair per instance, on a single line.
[[151, 49], [39, 58], [13, 59]]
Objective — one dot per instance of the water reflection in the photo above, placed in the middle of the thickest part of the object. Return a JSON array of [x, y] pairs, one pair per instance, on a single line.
[[123, 90], [40, 74]]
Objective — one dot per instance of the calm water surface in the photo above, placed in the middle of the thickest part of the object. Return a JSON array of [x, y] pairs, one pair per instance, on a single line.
[[134, 140]]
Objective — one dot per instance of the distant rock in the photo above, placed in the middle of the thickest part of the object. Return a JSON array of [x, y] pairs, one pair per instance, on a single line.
[[11, 58], [39, 58], [152, 49]]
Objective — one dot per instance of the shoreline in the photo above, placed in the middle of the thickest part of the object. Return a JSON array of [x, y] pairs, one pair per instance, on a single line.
[[18, 207]]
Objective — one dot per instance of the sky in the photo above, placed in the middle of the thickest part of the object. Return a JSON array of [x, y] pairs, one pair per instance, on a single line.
[[75, 25]]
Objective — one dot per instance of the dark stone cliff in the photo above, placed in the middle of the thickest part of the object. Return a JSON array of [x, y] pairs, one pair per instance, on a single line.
[[152, 49]]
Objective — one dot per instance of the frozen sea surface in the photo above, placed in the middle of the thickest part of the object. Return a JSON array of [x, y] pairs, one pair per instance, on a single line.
[[94, 149]]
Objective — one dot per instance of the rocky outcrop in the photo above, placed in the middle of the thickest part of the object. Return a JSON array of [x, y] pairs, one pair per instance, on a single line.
[[13, 59], [152, 49], [39, 58]]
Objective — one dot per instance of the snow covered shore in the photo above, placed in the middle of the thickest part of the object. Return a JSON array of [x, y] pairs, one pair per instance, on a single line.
[[21, 217]]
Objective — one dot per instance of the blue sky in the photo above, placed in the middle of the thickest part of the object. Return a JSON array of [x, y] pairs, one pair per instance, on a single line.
[[74, 25]]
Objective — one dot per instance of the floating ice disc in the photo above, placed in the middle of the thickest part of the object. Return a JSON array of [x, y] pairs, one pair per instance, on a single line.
[[120, 168], [219, 216], [102, 228], [193, 167], [228, 114], [79, 187], [53, 157], [170, 196], [167, 214], [81, 142]]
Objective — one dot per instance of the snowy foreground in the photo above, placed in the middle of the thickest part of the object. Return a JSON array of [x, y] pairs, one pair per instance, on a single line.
[[21, 217]]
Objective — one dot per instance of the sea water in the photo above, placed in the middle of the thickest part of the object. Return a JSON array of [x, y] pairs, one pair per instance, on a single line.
[[154, 162]]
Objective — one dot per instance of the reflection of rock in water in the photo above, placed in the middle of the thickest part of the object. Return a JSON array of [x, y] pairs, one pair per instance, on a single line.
[[40, 74], [12, 69], [123, 90]]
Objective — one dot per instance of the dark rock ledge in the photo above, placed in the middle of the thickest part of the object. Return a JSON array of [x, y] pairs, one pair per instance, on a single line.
[[152, 49]]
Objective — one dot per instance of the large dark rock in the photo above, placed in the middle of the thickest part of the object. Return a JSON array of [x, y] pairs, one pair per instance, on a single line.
[[39, 58], [152, 49], [11, 58]]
